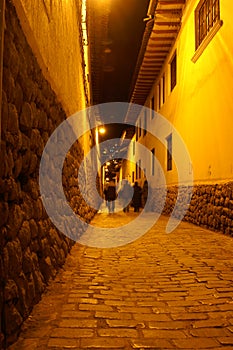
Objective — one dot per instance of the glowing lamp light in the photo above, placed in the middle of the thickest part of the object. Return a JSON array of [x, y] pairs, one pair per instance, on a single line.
[[102, 130]]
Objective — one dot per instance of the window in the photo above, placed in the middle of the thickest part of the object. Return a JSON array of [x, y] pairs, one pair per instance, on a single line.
[[159, 95], [173, 72], [163, 91], [207, 14], [137, 131], [152, 106], [153, 162], [169, 152], [145, 123], [138, 170], [139, 128]]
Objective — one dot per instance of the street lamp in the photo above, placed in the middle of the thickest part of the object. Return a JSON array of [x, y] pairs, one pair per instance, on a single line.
[[102, 130]]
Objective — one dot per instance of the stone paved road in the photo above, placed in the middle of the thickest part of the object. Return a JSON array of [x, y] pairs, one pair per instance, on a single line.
[[163, 291]]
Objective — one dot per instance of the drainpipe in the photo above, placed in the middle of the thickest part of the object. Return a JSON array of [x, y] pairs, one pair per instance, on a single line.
[[2, 26], [151, 8]]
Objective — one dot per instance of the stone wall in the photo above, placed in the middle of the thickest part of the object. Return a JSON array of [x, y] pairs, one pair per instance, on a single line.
[[31, 248], [211, 206]]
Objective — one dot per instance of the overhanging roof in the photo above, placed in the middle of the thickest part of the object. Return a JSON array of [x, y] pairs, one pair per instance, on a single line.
[[160, 33]]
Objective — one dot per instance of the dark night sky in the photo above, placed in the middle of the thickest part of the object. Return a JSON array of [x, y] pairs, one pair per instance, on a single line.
[[126, 28]]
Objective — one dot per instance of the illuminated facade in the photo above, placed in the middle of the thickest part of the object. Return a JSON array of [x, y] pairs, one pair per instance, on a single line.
[[193, 91], [188, 80]]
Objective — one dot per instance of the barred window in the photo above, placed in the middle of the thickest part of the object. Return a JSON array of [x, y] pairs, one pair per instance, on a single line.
[[207, 14]]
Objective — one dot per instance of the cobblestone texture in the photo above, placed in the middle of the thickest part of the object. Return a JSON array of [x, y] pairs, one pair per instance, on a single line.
[[164, 291]]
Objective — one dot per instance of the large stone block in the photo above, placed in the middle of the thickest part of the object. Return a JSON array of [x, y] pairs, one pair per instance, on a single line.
[[15, 258], [16, 217], [33, 228], [26, 161], [36, 141], [24, 235], [4, 210], [13, 119], [18, 101], [27, 206], [42, 120], [27, 262], [25, 120], [47, 268], [39, 283], [18, 165], [11, 293], [14, 190], [13, 321], [23, 305], [8, 84]]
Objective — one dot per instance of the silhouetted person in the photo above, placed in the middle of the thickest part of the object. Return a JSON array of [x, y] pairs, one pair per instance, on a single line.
[[136, 201], [125, 195], [144, 193], [105, 195], [111, 196]]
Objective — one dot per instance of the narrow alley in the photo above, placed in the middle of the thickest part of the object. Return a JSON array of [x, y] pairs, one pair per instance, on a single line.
[[163, 291], [116, 174]]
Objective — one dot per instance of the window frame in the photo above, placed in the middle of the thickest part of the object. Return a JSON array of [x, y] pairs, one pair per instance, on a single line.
[[203, 21], [200, 45]]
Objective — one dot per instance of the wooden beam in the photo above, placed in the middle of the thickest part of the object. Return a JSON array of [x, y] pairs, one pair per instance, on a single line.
[[171, 12], [167, 23], [156, 46], [151, 66], [172, 2], [163, 38], [164, 31]]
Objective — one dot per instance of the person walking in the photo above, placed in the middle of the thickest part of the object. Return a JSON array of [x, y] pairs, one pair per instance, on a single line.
[[136, 200], [111, 196], [125, 195], [144, 193]]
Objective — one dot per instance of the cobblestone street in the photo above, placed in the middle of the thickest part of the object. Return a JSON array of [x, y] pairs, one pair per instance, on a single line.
[[163, 291]]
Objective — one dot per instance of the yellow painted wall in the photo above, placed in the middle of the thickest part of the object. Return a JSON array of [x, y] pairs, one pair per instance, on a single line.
[[52, 30], [201, 105], [128, 166]]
